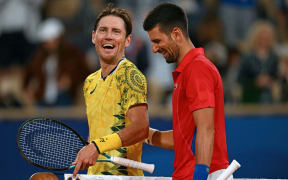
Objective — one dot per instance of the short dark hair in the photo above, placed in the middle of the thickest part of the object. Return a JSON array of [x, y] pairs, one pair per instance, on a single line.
[[167, 16], [119, 12]]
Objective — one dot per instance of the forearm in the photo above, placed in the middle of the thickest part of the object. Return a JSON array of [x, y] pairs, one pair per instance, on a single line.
[[126, 137], [204, 121], [138, 129], [163, 139], [204, 145], [134, 133]]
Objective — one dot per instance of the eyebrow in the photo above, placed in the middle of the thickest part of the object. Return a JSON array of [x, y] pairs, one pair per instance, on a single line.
[[113, 28]]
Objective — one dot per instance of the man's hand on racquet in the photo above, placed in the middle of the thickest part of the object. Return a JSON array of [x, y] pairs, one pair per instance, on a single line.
[[53, 145], [86, 157]]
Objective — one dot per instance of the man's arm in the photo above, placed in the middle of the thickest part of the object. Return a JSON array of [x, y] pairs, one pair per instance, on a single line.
[[135, 132], [163, 139], [204, 120], [139, 127]]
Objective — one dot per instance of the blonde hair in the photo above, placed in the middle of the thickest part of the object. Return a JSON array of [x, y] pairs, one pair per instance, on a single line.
[[255, 31]]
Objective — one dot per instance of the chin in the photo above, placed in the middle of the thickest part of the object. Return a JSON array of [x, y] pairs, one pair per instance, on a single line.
[[108, 56], [170, 61], [107, 59]]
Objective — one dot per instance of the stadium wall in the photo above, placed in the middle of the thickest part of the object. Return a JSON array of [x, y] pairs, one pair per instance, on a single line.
[[258, 142]]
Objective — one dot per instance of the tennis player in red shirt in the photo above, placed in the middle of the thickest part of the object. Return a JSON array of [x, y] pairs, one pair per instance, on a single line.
[[198, 103]]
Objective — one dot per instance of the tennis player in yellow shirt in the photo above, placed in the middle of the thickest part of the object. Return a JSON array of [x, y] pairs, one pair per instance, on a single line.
[[116, 99]]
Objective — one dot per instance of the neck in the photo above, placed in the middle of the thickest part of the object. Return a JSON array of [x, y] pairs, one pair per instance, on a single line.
[[107, 67], [186, 46]]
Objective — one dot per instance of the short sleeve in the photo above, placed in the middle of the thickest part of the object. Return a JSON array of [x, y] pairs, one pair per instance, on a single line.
[[200, 87], [133, 88], [85, 87], [87, 83]]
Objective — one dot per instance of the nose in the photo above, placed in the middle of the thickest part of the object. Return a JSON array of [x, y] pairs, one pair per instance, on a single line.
[[155, 48], [108, 35]]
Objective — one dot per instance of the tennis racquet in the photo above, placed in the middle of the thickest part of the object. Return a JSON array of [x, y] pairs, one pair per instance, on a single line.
[[229, 170], [53, 145]]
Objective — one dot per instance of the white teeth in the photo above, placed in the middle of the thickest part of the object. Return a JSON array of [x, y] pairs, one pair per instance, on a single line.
[[110, 46]]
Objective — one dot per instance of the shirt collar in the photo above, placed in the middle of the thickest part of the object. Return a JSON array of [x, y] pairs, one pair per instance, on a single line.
[[189, 57], [111, 72]]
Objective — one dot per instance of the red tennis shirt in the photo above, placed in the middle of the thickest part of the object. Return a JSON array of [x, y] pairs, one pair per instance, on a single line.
[[197, 85]]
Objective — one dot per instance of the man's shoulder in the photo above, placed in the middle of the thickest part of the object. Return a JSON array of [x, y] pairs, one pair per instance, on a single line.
[[203, 61], [128, 67], [127, 64], [91, 76], [198, 62], [129, 74], [200, 65]]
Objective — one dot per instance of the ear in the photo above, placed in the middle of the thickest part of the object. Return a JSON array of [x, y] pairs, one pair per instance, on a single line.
[[128, 40], [176, 34], [94, 37]]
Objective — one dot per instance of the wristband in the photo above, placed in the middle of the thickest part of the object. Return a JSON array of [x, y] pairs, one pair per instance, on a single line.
[[150, 136], [201, 172], [108, 143], [93, 142]]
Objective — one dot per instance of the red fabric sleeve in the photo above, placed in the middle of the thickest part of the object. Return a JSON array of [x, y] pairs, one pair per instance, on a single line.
[[200, 86]]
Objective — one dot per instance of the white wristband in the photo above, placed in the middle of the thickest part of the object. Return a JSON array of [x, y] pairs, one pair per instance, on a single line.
[[150, 136]]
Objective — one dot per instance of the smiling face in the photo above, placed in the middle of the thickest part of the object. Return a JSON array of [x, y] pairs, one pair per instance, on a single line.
[[110, 39], [164, 44]]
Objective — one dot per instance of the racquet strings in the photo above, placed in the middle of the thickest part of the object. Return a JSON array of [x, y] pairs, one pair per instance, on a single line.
[[49, 144]]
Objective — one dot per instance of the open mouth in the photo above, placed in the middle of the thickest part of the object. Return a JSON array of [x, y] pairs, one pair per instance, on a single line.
[[163, 52], [108, 46]]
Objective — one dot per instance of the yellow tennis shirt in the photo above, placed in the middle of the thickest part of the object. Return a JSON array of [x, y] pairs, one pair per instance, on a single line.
[[107, 102]]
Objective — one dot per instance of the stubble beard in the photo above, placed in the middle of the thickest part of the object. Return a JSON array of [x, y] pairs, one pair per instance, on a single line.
[[173, 56]]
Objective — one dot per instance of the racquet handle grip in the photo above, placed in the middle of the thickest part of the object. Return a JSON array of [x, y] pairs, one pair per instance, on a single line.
[[229, 170], [133, 164]]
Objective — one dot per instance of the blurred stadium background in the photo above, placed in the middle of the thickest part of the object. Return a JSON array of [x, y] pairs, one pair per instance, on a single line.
[[44, 63]]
